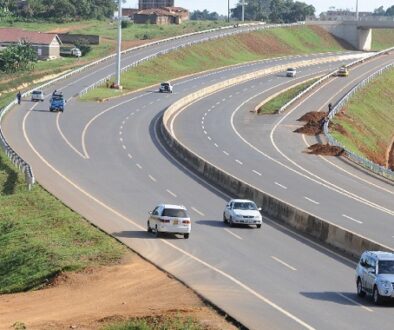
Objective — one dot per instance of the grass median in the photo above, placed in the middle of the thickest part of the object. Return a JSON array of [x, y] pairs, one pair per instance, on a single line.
[[273, 105], [41, 237], [366, 124]]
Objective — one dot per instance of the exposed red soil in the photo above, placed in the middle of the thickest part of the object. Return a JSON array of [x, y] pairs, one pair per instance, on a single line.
[[325, 150], [310, 128], [313, 116], [87, 300], [390, 161]]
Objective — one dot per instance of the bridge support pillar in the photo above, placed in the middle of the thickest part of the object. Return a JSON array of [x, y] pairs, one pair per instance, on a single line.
[[364, 39]]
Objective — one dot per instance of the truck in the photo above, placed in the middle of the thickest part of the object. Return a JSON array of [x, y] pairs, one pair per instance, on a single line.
[[71, 51], [57, 102]]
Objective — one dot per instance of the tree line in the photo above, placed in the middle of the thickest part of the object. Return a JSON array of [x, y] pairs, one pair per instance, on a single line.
[[59, 9], [275, 11]]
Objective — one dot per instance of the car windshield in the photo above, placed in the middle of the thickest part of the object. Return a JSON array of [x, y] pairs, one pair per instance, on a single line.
[[177, 213], [386, 266], [245, 206], [57, 97], [37, 92], [290, 69], [165, 85]]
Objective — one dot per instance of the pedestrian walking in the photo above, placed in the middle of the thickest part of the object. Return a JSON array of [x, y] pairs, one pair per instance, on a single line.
[[19, 97], [329, 108]]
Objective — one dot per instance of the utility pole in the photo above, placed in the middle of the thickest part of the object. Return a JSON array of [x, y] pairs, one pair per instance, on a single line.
[[119, 44], [243, 10], [356, 10], [228, 11]]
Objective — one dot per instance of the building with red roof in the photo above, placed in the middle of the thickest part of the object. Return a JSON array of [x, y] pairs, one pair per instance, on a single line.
[[47, 45]]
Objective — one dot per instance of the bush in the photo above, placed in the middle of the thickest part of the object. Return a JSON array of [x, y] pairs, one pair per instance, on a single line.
[[124, 24]]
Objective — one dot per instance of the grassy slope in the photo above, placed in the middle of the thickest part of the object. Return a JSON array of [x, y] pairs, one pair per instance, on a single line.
[[156, 323], [277, 102], [227, 51], [382, 38], [40, 237], [368, 119]]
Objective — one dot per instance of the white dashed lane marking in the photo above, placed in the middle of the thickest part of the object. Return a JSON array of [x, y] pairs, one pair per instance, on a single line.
[[198, 212], [139, 166], [258, 173], [209, 138], [152, 178], [354, 302], [311, 200], [352, 219], [216, 145], [283, 263], [239, 162], [231, 233], [171, 193], [130, 156], [280, 185], [121, 139], [226, 153], [124, 147]]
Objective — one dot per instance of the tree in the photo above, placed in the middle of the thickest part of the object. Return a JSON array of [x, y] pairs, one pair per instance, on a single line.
[[379, 11], [390, 11], [20, 57], [204, 15], [255, 10]]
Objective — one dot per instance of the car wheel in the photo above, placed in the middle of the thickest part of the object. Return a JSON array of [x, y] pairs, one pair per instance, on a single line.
[[186, 236], [360, 291], [224, 218], [230, 222], [376, 297], [149, 228], [258, 226], [157, 233]]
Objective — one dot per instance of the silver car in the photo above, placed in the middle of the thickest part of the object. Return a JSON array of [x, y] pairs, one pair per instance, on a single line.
[[375, 275], [37, 96], [242, 212]]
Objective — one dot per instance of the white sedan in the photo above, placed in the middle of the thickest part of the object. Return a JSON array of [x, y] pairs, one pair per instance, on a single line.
[[243, 212]]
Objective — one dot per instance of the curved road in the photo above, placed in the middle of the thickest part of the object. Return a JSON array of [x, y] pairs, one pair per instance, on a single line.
[[107, 162]]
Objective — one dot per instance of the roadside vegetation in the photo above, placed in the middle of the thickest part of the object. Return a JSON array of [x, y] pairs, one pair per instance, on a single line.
[[40, 237], [156, 323], [382, 39], [273, 105], [366, 125], [224, 52]]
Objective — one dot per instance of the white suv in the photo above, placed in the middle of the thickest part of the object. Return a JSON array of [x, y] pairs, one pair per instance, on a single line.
[[166, 218], [242, 212], [375, 275], [291, 72]]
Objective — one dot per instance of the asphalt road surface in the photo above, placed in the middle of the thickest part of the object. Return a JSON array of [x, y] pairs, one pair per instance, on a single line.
[[106, 162]]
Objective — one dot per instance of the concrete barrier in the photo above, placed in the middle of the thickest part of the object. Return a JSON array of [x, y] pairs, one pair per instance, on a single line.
[[324, 231]]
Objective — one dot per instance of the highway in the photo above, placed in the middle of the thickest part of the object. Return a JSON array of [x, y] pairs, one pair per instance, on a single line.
[[265, 152], [106, 161]]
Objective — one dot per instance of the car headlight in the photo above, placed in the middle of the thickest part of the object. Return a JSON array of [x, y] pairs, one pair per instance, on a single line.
[[385, 284]]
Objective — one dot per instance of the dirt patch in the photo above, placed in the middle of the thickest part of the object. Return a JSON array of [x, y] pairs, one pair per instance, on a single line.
[[313, 116], [310, 128], [86, 300], [325, 150], [69, 28]]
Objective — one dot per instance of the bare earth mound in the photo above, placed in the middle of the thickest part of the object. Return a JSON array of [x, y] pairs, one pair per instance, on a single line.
[[310, 128], [390, 164], [325, 150], [313, 116], [89, 299]]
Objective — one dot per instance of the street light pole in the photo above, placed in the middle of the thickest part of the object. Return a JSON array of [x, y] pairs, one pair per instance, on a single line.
[[228, 11], [356, 10], [243, 10], [119, 43]]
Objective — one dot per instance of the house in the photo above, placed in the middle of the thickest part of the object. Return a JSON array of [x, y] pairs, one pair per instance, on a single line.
[[46, 44], [129, 12], [160, 16]]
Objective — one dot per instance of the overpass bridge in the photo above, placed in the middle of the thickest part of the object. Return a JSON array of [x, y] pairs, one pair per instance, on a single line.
[[357, 33]]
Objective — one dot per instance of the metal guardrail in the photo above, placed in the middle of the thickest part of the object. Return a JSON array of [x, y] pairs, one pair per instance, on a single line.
[[365, 163], [253, 27], [26, 168], [324, 78]]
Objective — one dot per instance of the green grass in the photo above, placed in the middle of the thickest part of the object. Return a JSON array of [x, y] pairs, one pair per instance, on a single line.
[[382, 39], [273, 105], [40, 237], [156, 323], [368, 119], [223, 52]]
